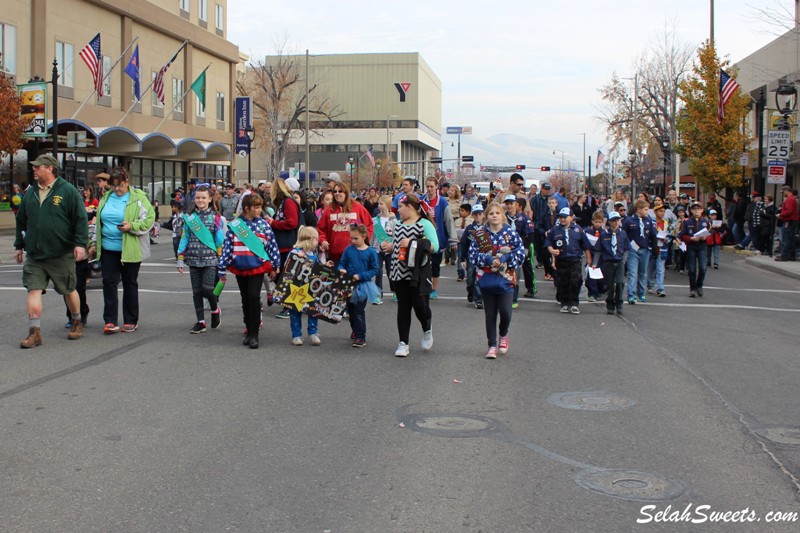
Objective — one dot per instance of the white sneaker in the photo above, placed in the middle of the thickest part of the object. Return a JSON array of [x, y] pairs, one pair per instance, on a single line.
[[297, 341], [315, 340], [427, 340], [402, 350], [565, 309]]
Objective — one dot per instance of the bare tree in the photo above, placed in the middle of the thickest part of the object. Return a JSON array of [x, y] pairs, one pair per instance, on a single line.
[[659, 70], [776, 20], [277, 86]]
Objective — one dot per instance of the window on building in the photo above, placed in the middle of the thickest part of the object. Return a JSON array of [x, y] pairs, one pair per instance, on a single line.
[[107, 80], [201, 112], [8, 48], [177, 94], [219, 21], [153, 97], [185, 5], [203, 10], [221, 107], [65, 56]]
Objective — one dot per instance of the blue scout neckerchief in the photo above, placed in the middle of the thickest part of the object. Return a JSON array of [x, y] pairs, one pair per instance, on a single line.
[[200, 230], [249, 238]]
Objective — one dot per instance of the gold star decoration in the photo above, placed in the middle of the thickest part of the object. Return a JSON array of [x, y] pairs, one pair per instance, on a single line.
[[299, 296]]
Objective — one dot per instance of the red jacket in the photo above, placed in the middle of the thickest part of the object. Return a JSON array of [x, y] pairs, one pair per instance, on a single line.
[[334, 227], [789, 211]]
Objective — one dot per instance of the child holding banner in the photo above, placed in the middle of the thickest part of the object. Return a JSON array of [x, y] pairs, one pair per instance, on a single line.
[[199, 249], [249, 252], [306, 246], [361, 262]]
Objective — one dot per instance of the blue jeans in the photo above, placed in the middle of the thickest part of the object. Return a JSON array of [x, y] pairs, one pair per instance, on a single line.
[[713, 253], [787, 240], [753, 235], [655, 273], [358, 319], [472, 286], [461, 273], [296, 323], [637, 272], [384, 260], [696, 263]]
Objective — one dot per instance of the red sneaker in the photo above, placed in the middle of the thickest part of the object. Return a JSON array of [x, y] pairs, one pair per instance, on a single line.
[[502, 346]]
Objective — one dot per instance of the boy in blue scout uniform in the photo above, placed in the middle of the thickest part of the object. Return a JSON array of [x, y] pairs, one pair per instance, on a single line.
[[695, 248], [611, 248], [520, 223], [473, 291], [642, 237], [567, 242]]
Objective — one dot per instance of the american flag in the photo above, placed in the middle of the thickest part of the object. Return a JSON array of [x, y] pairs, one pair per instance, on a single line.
[[600, 158], [370, 156], [91, 56], [158, 82], [727, 86]]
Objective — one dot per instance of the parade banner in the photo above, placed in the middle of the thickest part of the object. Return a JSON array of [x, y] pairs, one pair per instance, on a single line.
[[314, 289], [243, 107]]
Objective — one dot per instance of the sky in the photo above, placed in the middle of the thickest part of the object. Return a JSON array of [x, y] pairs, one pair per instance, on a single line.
[[524, 74]]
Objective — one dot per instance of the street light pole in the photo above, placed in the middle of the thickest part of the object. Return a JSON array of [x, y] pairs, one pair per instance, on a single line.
[[251, 134], [351, 159]]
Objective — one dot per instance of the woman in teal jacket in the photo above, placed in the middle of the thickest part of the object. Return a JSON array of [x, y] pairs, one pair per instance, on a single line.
[[124, 219]]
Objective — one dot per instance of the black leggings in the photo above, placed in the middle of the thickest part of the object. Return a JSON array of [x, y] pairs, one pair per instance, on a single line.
[[492, 305], [203, 280], [408, 298], [250, 290]]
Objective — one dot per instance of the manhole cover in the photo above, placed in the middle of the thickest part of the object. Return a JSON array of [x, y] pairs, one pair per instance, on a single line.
[[444, 425], [781, 435], [631, 485], [591, 400]]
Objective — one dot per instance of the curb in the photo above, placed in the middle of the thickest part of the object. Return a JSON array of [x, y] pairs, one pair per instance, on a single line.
[[772, 268]]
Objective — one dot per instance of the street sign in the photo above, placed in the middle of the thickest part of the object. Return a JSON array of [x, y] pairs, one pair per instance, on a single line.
[[779, 144], [777, 172], [459, 130], [243, 107], [744, 160]]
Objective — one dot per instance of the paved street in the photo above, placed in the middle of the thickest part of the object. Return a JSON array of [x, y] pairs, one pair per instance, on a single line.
[[587, 419]]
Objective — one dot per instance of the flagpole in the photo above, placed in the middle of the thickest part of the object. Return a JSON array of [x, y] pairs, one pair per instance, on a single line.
[[106, 76], [175, 105], [128, 112]]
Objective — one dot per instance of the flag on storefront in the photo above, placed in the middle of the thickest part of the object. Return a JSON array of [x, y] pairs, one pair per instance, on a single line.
[[158, 82], [199, 88], [132, 70], [601, 157], [94, 60], [727, 86]]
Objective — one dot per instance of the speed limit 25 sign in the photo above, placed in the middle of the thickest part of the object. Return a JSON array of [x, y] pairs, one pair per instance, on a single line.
[[779, 144]]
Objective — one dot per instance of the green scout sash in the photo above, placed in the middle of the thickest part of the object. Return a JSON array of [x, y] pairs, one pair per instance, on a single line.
[[249, 238], [200, 230], [380, 233]]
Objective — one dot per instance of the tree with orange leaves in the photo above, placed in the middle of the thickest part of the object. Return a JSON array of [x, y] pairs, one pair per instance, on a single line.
[[11, 122]]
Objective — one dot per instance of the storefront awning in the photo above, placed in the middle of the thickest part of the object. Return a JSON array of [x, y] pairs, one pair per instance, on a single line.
[[118, 140]]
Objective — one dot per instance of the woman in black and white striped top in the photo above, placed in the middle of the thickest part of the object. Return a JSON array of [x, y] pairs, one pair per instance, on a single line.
[[413, 225]]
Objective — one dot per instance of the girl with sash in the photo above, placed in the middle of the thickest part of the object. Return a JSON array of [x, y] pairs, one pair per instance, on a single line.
[[383, 225], [199, 248], [249, 252]]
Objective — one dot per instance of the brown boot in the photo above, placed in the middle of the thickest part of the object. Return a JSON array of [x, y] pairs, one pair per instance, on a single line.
[[33, 339], [76, 331]]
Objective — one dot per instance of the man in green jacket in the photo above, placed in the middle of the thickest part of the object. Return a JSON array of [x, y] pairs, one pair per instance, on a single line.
[[52, 231]]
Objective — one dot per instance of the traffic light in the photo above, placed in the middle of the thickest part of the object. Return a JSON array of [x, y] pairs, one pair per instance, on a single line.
[[544, 169], [520, 167]]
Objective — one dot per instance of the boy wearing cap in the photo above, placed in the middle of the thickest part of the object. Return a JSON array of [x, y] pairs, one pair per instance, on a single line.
[[567, 242], [642, 235], [473, 291], [655, 267], [715, 240], [695, 248], [520, 223], [610, 249]]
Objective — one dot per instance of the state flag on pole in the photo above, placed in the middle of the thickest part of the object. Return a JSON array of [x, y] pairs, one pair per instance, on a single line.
[[727, 86], [158, 82], [132, 70], [600, 158], [199, 88], [94, 60], [370, 156]]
